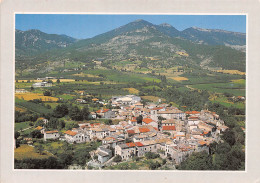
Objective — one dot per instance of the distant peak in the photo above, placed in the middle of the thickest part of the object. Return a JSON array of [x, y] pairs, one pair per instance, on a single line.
[[139, 20], [165, 25]]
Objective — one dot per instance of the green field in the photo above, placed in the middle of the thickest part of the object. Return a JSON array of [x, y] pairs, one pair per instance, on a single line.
[[22, 125], [233, 88], [224, 101], [38, 108]]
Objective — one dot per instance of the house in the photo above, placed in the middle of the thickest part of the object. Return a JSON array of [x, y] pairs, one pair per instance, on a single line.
[[106, 113], [99, 132], [95, 99], [171, 114], [168, 122], [104, 154], [139, 105], [40, 128], [82, 101], [133, 121], [169, 129], [192, 113], [42, 84], [21, 91], [51, 135], [149, 121], [93, 115], [126, 150], [75, 137], [125, 100]]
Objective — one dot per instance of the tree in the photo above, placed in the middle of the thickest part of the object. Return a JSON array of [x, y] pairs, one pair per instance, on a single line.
[[36, 134], [58, 81], [75, 113], [229, 137], [108, 122], [139, 119], [117, 158], [197, 161], [16, 135], [60, 111], [47, 93], [85, 113], [70, 125], [151, 155], [39, 122]]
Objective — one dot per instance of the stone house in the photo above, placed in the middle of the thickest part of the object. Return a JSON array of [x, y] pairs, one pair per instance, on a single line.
[[104, 154], [51, 135]]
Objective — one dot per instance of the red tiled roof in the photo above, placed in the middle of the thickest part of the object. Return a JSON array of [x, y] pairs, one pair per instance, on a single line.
[[147, 120], [143, 130], [131, 144], [157, 108], [55, 131], [102, 111], [38, 128], [139, 144], [155, 128], [205, 132], [168, 128], [94, 124], [71, 133], [202, 142], [192, 112], [193, 117], [130, 131]]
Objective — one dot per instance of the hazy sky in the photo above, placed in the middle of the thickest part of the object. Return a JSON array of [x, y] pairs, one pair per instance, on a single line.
[[87, 26]]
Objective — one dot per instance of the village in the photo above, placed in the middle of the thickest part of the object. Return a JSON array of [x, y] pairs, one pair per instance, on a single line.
[[156, 128]]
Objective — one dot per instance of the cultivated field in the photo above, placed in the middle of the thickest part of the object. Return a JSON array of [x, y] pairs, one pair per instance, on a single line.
[[132, 90], [179, 78], [232, 72], [32, 96]]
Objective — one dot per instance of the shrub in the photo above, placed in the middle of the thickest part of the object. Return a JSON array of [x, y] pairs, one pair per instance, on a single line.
[[117, 158], [151, 155]]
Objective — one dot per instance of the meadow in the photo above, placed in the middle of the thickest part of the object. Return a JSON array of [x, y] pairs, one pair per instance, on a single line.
[[26, 151]]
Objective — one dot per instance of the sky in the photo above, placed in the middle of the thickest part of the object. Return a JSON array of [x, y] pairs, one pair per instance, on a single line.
[[82, 26]]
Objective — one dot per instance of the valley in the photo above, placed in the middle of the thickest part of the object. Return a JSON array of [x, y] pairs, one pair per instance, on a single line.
[[65, 81]]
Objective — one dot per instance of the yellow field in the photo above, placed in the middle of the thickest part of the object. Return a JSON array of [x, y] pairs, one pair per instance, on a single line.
[[31, 96], [26, 151], [132, 90], [152, 98], [239, 81], [86, 75], [179, 78], [232, 72]]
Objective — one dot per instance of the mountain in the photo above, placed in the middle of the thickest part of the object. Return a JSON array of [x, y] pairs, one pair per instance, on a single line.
[[34, 41], [168, 29], [214, 36], [140, 40]]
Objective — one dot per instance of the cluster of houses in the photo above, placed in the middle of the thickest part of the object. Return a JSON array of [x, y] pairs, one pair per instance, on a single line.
[[41, 84], [161, 128]]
